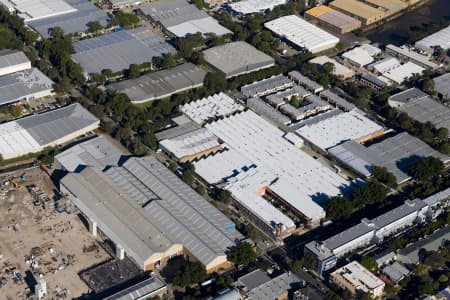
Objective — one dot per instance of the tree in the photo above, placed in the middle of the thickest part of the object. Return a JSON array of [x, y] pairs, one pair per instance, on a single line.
[[371, 193], [309, 261], [188, 174], [428, 85], [199, 3], [224, 196], [296, 266], [384, 176], [94, 27], [443, 278], [369, 263], [442, 133], [426, 168], [192, 273], [242, 254], [339, 208], [366, 296], [134, 71], [295, 102], [16, 110], [124, 19], [169, 61], [215, 82]]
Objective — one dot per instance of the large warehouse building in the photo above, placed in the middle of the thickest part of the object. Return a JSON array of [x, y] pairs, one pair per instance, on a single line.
[[237, 58], [72, 22], [24, 85], [338, 22], [31, 10], [302, 33], [151, 215], [245, 7], [181, 18], [397, 154], [34, 133], [421, 107], [116, 51], [366, 13], [325, 133], [264, 163], [440, 38], [12, 61], [161, 84]]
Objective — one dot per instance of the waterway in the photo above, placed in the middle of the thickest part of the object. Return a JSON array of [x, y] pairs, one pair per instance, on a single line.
[[398, 30]]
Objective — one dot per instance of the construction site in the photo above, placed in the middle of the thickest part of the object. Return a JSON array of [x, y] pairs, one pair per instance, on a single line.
[[45, 245]]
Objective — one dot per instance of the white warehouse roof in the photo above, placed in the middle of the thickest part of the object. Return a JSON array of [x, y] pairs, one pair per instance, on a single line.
[[302, 33], [263, 144], [34, 133], [202, 110], [342, 127], [38, 9], [403, 72], [255, 6], [440, 38], [362, 55]]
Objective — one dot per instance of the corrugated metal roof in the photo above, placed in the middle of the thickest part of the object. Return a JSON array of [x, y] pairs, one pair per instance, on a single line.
[[10, 58]]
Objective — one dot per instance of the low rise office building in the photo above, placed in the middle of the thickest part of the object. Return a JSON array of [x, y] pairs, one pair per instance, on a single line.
[[358, 280]]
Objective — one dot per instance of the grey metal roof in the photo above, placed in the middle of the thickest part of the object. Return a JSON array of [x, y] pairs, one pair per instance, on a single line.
[[53, 125], [410, 254], [156, 208], [437, 198], [396, 271], [23, 84], [315, 119], [173, 12], [275, 287], [253, 279], [178, 130], [274, 82], [12, 57], [118, 50], [161, 83], [139, 290], [348, 235], [421, 107], [229, 294], [267, 111], [409, 207], [339, 101], [303, 80], [98, 152], [72, 22], [237, 58], [374, 80], [442, 85], [396, 153]]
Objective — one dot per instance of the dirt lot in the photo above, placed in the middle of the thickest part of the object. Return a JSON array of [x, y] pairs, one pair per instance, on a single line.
[[40, 243]]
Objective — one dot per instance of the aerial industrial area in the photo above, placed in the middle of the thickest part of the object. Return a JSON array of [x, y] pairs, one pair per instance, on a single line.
[[224, 150]]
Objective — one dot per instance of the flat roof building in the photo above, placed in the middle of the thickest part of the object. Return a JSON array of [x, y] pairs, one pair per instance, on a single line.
[[377, 83], [302, 33], [361, 55], [210, 108], [116, 51], [396, 154], [72, 22], [161, 83], [118, 4], [181, 125], [24, 85], [367, 14], [267, 86], [246, 7], [385, 65], [396, 272], [181, 18], [403, 72], [34, 133], [365, 233], [336, 100], [257, 286], [442, 86], [339, 69], [337, 21], [31, 10], [237, 58], [98, 152], [352, 125], [190, 146], [305, 82], [421, 107], [408, 54], [391, 7], [358, 280], [440, 38], [151, 214], [281, 164], [148, 288], [12, 61]]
